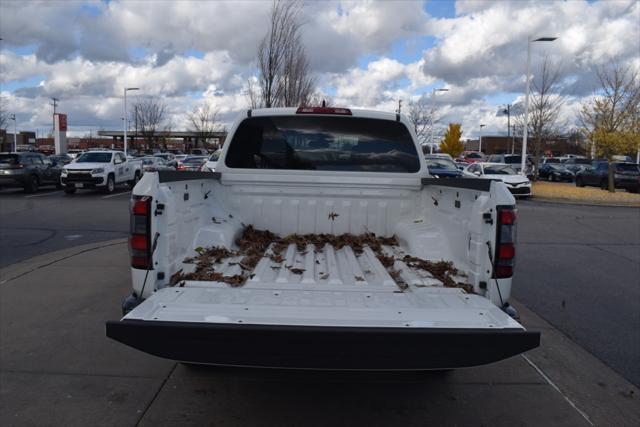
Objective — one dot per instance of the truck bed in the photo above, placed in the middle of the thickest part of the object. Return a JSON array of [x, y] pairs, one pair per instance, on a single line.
[[313, 267]]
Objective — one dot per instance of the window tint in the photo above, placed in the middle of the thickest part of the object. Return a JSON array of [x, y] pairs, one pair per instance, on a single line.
[[513, 159], [94, 157], [626, 167], [499, 170], [36, 160], [323, 143]]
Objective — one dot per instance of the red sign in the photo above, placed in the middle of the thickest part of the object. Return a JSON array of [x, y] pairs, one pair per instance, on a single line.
[[62, 122]]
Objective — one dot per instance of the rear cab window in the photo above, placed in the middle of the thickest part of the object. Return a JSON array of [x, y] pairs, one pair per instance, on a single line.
[[323, 143]]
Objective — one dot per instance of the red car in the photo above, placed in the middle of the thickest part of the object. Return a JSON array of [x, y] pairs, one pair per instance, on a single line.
[[472, 157]]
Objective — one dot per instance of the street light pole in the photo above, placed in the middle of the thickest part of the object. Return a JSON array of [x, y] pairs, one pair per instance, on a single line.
[[526, 100], [15, 144], [480, 143], [433, 107], [126, 118]]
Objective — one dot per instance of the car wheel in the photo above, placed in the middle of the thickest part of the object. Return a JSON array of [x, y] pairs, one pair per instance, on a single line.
[[111, 185], [31, 185], [58, 185], [69, 190], [579, 182], [552, 177], [135, 180], [604, 184]]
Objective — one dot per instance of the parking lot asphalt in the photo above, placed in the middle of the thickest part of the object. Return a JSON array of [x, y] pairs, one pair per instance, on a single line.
[[58, 368], [579, 268], [49, 220]]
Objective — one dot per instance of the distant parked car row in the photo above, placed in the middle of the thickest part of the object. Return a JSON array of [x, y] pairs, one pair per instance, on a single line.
[[626, 176]]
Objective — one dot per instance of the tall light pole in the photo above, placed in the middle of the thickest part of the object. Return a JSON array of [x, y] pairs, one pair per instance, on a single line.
[[433, 107], [126, 118], [480, 142], [526, 100], [15, 144], [507, 111]]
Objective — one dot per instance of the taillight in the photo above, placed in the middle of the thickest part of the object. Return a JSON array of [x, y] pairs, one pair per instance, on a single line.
[[140, 232], [324, 110], [505, 242]]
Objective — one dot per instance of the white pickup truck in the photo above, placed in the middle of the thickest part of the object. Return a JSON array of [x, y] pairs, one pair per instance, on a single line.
[[322, 242], [104, 169]]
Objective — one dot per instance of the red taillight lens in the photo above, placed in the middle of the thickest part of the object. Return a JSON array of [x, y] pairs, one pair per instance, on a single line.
[[140, 240], [140, 206], [324, 110], [508, 216], [505, 242], [504, 271], [506, 251]]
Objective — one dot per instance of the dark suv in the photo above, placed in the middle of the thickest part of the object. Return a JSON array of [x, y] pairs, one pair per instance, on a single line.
[[28, 170], [627, 176]]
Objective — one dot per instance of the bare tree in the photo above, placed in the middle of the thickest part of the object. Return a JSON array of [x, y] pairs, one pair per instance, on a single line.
[[611, 117], [318, 99], [150, 113], [544, 111], [419, 115], [204, 122], [285, 78], [4, 115]]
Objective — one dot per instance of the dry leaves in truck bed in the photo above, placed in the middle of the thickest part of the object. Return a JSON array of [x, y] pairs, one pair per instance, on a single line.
[[254, 244]]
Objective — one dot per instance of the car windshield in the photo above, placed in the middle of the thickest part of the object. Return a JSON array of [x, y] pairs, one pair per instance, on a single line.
[[94, 158], [499, 170], [195, 160], [163, 155], [582, 161], [214, 157], [441, 164], [474, 156], [8, 159], [557, 167], [513, 159], [627, 167], [323, 143], [147, 161]]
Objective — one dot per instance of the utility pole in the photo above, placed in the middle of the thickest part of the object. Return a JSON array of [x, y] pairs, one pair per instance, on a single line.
[[399, 105], [53, 118], [513, 139], [507, 111]]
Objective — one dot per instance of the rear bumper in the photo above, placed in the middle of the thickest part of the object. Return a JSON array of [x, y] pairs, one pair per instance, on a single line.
[[314, 347]]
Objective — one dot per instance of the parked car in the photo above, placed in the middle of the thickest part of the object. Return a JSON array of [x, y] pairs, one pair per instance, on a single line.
[[575, 164], [517, 184], [472, 157], [169, 158], [102, 169], [210, 165], [192, 163], [339, 242], [442, 167], [154, 164], [626, 176], [513, 160], [60, 159], [28, 170], [556, 160], [555, 172]]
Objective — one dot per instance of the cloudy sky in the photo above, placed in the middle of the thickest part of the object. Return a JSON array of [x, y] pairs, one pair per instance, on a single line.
[[365, 54]]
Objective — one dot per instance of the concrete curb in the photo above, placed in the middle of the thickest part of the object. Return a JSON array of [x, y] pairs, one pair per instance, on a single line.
[[579, 203], [19, 269]]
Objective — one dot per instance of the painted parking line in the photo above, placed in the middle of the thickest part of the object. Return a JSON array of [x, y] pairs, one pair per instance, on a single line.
[[116, 195], [42, 194]]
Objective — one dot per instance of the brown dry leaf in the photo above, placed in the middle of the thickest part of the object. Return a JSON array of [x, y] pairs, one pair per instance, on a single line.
[[297, 270]]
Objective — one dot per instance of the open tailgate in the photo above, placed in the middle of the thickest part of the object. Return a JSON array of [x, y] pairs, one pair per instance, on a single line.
[[436, 329]]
